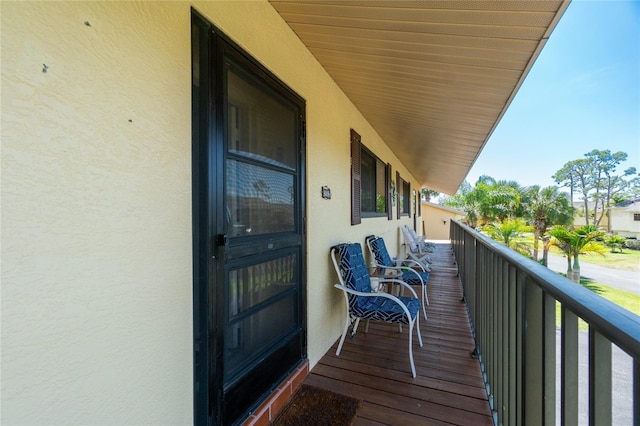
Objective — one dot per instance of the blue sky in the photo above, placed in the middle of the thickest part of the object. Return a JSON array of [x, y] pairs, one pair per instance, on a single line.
[[583, 93]]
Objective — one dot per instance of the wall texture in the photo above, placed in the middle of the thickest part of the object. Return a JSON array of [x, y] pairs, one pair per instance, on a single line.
[[437, 220], [96, 203]]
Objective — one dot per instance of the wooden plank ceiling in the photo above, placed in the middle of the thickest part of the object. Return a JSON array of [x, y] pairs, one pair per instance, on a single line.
[[432, 77]]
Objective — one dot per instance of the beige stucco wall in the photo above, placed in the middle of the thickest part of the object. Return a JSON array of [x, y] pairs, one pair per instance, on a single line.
[[437, 220], [579, 218], [96, 203], [622, 222]]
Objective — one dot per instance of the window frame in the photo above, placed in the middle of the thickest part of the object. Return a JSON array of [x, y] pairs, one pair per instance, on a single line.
[[404, 197], [377, 163], [358, 151]]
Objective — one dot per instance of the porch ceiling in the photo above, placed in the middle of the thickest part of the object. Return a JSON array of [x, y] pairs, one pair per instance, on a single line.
[[432, 77]]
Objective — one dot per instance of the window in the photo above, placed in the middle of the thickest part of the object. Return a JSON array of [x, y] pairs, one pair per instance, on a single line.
[[404, 196], [636, 217], [373, 185], [370, 183]]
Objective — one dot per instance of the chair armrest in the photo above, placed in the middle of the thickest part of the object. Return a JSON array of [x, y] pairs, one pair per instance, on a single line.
[[379, 266], [409, 262], [380, 294], [394, 280], [416, 273]]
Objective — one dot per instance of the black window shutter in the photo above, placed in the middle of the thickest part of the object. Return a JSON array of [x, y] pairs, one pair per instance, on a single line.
[[389, 191], [398, 189], [356, 175], [410, 196]]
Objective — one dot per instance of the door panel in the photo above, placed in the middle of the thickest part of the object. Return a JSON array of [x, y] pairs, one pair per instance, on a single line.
[[249, 281], [260, 200], [261, 121], [261, 310]]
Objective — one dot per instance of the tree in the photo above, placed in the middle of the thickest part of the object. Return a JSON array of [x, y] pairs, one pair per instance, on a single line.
[[631, 192], [575, 242], [594, 176], [575, 174], [511, 233], [465, 201], [546, 207], [604, 181], [615, 242], [559, 236], [502, 200], [488, 201], [426, 194]]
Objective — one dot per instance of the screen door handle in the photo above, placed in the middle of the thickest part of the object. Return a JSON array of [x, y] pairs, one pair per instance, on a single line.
[[221, 240]]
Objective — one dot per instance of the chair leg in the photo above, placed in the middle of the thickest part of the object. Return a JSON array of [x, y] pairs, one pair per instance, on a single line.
[[344, 334], [425, 301], [424, 310], [413, 366], [355, 326], [418, 329]]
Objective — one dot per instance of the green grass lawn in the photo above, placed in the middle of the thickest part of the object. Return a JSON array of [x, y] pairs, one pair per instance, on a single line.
[[627, 300], [628, 260]]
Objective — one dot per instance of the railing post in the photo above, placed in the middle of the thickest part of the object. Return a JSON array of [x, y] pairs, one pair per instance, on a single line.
[[470, 272], [510, 416], [490, 352], [479, 300], [503, 339], [636, 392], [599, 379], [569, 368], [511, 304], [520, 347], [533, 377], [540, 356], [549, 355]]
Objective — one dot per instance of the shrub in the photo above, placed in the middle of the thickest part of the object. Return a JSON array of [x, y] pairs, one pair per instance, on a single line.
[[632, 244], [615, 242]]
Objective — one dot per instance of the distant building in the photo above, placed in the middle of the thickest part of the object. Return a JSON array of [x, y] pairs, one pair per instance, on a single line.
[[436, 219], [625, 219], [579, 218]]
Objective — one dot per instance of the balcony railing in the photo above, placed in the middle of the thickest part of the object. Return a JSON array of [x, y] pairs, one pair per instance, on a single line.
[[512, 308]]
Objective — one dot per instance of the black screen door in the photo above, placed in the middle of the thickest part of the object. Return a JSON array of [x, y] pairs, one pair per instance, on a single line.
[[248, 228]]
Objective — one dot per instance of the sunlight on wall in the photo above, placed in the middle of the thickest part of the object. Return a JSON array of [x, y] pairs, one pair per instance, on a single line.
[[96, 202]]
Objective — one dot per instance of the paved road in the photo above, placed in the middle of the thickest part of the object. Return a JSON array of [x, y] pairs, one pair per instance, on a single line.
[[622, 368], [623, 280], [622, 383]]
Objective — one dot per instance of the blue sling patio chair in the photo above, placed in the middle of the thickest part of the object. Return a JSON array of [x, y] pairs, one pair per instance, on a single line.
[[402, 269], [363, 302]]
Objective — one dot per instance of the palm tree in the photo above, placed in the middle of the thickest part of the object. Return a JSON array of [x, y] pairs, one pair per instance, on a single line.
[[546, 207], [575, 242], [500, 199], [489, 200], [511, 233], [560, 237]]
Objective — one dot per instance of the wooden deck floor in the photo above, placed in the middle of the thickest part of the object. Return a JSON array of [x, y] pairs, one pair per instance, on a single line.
[[374, 366]]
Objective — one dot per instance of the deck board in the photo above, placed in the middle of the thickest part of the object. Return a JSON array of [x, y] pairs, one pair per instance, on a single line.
[[374, 366]]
